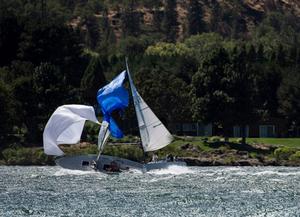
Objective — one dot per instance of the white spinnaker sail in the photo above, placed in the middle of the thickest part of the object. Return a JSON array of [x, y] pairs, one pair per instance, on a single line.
[[154, 134], [65, 127]]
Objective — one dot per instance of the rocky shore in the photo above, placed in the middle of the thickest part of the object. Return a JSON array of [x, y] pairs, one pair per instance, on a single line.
[[192, 151]]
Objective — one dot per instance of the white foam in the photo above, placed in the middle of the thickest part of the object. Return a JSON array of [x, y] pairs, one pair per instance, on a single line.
[[66, 172], [174, 170], [134, 171], [255, 191], [278, 173]]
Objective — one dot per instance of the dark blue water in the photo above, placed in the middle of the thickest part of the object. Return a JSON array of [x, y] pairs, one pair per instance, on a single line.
[[178, 191]]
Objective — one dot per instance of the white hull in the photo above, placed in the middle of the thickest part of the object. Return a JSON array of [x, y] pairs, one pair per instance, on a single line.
[[84, 162]]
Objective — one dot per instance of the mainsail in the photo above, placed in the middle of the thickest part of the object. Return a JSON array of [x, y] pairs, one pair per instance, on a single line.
[[65, 127], [154, 134]]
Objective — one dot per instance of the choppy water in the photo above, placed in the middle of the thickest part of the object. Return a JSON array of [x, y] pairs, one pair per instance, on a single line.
[[178, 191]]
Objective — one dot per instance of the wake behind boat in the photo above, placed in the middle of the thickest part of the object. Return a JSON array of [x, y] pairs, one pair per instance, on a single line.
[[66, 124]]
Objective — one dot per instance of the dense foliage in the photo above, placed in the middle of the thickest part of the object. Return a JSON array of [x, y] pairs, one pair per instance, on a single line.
[[56, 52]]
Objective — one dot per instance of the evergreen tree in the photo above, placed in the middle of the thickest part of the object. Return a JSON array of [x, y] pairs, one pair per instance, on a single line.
[[92, 80], [216, 16], [57, 44], [170, 24], [157, 19], [7, 114], [130, 21], [195, 24], [10, 33], [242, 88], [28, 112], [108, 38], [93, 31], [289, 97]]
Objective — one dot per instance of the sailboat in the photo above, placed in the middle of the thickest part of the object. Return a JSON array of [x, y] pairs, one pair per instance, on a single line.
[[66, 124]]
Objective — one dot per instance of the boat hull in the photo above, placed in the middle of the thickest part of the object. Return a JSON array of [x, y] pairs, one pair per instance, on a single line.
[[85, 163]]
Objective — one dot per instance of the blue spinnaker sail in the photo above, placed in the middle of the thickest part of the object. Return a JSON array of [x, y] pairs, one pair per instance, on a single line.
[[113, 97]]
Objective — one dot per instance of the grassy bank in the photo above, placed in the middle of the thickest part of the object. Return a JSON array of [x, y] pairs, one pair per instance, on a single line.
[[289, 142], [194, 150]]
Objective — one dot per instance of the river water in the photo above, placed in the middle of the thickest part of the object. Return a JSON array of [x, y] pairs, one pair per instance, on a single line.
[[177, 191]]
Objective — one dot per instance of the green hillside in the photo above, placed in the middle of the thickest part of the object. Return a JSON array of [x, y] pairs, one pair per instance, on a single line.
[[221, 62]]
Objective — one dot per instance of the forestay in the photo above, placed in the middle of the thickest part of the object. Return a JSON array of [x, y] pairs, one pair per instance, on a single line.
[[65, 127], [154, 134]]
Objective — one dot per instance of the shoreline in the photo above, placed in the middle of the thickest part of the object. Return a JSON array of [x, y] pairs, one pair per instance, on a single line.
[[194, 151], [191, 161]]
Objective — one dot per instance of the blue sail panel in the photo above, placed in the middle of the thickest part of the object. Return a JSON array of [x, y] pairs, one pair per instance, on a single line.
[[113, 97]]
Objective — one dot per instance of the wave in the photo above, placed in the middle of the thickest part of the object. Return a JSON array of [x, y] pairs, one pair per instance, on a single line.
[[66, 172], [174, 170], [278, 173]]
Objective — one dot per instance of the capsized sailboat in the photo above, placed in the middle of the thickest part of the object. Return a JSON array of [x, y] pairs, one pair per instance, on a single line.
[[65, 127], [66, 124]]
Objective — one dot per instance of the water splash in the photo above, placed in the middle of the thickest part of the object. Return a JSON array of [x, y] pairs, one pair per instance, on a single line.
[[174, 170], [66, 172]]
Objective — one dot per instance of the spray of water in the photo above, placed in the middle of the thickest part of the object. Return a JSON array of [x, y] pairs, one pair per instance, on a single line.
[[174, 170], [66, 172]]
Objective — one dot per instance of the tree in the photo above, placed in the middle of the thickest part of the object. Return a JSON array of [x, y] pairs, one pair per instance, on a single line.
[[10, 32], [7, 113], [57, 44], [223, 90], [93, 31], [201, 45], [107, 36], [37, 97], [195, 23], [92, 80], [242, 89], [268, 79], [27, 109], [216, 16], [289, 97], [211, 101], [50, 86], [170, 24], [130, 21], [164, 92]]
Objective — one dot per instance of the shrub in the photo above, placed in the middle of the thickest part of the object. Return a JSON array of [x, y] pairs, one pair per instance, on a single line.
[[215, 139], [253, 155], [295, 156], [26, 156], [283, 153], [239, 140]]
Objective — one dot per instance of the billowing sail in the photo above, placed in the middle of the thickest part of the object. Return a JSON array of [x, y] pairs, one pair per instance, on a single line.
[[154, 134], [65, 127]]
